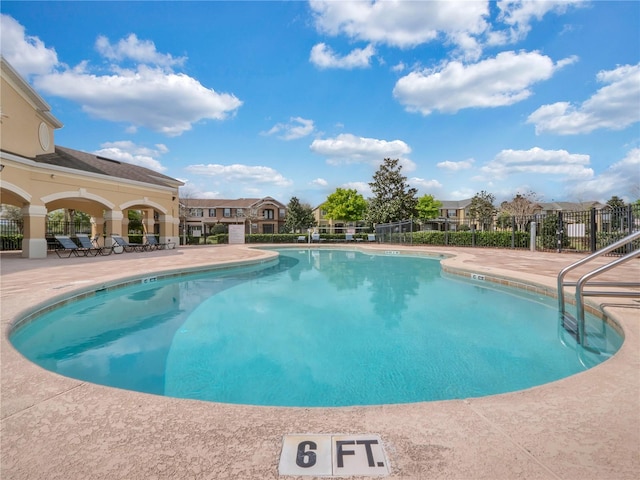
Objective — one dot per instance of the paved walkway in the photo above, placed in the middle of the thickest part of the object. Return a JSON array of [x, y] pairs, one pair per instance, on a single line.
[[583, 427]]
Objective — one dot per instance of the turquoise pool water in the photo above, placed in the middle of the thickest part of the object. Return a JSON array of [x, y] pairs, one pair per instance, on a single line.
[[319, 327]]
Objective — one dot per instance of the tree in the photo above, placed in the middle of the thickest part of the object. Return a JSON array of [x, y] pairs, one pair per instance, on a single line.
[[428, 207], [615, 201], [135, 221], [299, 216], [345, 204], [521, 208], [10, 212], [618, 212], [393, 199], [482, 209], [187, 194]]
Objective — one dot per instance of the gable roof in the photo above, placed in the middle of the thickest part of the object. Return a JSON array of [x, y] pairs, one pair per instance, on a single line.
[[28, 92], [229, 203], [455, 204], [87, 162]]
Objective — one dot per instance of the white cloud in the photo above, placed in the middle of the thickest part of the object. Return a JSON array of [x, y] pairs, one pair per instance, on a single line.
[[148, 95], [323, 56], [518, 14], [621, 179], [363, 188], [320, 182], [424, 184], [297, 127], [348, 148], [613, 107], [456, 166], [169, 103], [500, 81], [537, 161], [400, 23], [27, 54], [246, 175], [129, 152], [131, 48]]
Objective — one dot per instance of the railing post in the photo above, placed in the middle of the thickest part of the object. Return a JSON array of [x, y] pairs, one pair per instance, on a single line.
[[559, 229], [629, 226], [532, 238], [593, 230]]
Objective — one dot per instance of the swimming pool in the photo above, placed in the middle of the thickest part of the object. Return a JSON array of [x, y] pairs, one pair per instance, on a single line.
[[318, 328]]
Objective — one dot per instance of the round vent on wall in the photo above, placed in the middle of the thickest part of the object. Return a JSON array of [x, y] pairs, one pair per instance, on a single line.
[[43, 135]]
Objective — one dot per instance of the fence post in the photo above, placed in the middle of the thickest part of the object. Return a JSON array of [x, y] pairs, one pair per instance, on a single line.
[[629, 226], [593, 230], [559, 236], [532, 238], [473, 235], [446, 231], [513, 232]]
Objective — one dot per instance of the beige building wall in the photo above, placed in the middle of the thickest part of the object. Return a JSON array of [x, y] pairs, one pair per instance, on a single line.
[[26, 131]]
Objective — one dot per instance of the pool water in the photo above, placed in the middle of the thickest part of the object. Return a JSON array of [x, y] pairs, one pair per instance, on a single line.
[[319, 327]]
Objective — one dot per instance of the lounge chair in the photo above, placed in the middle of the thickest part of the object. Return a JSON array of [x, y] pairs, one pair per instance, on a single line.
[[126, 246], [153, 244], [69, 246], [348, 237], [302, 239], [315, 237], [92, 246], [87, 246], [371, 237]]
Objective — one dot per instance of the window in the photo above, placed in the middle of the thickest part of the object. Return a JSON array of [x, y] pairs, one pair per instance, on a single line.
[[212, 212], [196, 212], [239, 212], [268, 213], [227, 213], [267, 227], [282, 213], [452, 213]]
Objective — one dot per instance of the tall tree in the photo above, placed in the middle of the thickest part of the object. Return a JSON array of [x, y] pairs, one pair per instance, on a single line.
[[394, 199], [428, 207], [299, 216], [345, 204], [482, 209], [521, 208]]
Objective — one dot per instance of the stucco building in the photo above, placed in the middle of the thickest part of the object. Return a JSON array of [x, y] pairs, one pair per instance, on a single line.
[[38, 176]]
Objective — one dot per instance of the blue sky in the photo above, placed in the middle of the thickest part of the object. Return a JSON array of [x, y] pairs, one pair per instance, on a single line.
[[282, 99]]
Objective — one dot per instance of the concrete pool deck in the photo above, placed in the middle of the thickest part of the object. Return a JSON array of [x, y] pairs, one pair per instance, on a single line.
[[583, 427]]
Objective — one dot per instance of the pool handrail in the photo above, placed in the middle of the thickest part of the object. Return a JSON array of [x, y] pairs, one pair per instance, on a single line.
[[580, 284]]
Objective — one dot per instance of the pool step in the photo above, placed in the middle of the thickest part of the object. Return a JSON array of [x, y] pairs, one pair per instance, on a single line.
[[570, 324]]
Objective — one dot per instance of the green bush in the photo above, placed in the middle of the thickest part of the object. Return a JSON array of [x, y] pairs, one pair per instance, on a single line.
[[11, 241], [466, 239]]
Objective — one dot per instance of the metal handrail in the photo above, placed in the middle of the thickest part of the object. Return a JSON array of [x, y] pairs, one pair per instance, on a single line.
[[583, 280], [580, 293]]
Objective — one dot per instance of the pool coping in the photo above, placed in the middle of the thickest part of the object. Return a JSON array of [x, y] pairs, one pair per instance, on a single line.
[[584, 426]]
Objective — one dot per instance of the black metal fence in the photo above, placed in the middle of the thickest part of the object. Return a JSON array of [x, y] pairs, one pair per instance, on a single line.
[[585, 231]]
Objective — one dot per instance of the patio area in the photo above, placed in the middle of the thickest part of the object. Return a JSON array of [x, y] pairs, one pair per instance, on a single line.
[[583, 427]]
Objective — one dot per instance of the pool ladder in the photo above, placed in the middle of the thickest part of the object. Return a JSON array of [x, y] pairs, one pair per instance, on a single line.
[[575, 325]]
